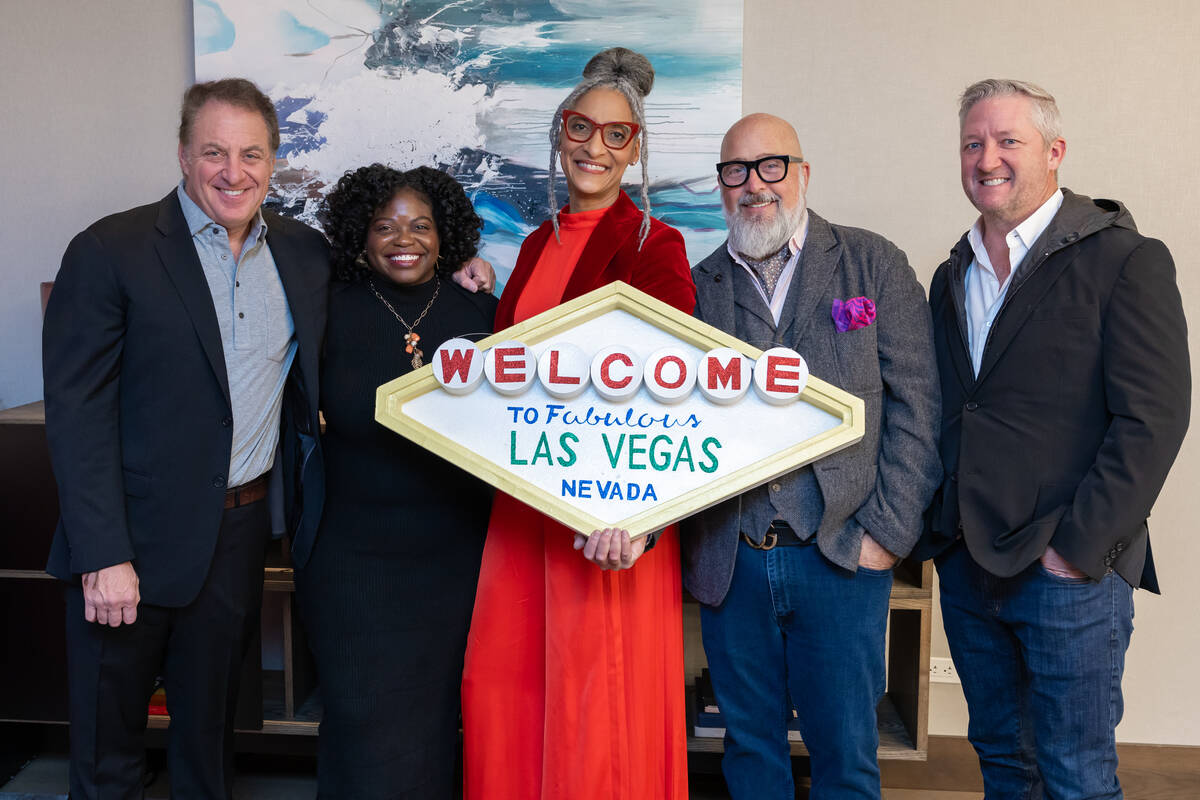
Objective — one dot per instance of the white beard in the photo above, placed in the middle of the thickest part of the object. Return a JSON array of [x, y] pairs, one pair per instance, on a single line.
[[760, 238]]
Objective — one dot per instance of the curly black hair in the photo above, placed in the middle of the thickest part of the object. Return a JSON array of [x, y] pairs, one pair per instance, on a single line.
[[349, 208]]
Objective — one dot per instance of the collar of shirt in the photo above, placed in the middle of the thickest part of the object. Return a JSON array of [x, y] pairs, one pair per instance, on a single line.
[[984, 294], [197, 220], [795, 245], [1019, 239]]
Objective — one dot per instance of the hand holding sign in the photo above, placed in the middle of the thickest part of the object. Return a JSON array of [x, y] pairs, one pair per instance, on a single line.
[[610, 548]]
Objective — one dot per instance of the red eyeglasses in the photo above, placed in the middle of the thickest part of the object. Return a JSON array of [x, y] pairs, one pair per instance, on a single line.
[[615, 135]]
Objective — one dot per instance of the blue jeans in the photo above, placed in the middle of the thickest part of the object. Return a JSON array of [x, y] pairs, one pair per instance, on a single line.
[[794, 624], [1040, 658]]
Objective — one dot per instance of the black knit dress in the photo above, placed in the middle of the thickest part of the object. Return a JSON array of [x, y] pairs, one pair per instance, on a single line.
[[387, 594]]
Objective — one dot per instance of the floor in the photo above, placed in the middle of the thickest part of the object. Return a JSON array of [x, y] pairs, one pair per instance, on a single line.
[[45, 778]]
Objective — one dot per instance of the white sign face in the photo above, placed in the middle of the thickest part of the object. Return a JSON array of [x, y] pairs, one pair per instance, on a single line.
[[598, 456]]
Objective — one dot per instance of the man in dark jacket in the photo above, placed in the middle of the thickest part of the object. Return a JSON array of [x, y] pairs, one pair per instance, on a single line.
[[1062, 348], [180, 353]]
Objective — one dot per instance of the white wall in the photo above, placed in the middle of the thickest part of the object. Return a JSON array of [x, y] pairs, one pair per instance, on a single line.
[[91, 93]]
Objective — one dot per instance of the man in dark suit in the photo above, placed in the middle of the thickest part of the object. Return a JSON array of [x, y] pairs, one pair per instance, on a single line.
[[180, 356], [1066, 386], [794, 577]]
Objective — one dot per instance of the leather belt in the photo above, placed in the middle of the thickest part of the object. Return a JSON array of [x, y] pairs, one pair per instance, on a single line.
[[247, 493], [780, 534]]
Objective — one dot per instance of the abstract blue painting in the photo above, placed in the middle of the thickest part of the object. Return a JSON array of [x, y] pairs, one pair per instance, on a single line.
[[470, 86]]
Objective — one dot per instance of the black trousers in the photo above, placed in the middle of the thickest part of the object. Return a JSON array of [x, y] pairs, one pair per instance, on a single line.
[[198, 649]]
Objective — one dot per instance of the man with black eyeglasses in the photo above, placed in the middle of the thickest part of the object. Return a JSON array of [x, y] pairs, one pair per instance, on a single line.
[[794, 576]]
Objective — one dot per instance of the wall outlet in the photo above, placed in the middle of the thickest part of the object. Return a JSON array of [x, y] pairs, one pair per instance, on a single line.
[[941, 670]]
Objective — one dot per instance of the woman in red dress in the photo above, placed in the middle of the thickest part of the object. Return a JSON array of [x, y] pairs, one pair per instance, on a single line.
[[573, 686]]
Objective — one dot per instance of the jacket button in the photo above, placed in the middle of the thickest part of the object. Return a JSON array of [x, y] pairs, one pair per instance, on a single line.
[[961, 527], [227, 421], [1119, 546], [775, 487], [971, 406], [954, 477], [219, 482], [716, 278]]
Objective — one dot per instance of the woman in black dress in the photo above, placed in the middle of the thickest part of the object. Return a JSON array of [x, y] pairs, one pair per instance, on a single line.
[[387, 593]]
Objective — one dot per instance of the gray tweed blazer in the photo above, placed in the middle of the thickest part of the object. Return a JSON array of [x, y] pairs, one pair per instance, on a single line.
[[883, 483]]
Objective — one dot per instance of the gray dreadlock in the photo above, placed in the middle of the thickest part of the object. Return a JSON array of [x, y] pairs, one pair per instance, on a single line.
[[630, 74]]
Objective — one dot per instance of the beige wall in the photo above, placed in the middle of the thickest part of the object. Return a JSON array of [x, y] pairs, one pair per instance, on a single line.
[[91, 90], [90, 97], [871, 86]]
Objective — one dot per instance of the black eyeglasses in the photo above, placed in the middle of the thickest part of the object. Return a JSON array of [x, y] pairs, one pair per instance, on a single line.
[[615, 135], [771, 169]]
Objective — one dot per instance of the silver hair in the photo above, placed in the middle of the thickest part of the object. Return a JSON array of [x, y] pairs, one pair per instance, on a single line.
[[624, 71], [1043, 109]]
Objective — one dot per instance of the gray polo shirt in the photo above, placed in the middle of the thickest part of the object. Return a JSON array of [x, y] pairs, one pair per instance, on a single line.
[[257, 335]]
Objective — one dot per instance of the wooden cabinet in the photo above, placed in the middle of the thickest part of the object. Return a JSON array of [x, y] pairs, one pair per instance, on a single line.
[[33, 659]]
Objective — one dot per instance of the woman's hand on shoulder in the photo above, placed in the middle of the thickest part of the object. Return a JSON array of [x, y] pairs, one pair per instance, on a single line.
[[610, 548], [476, 275]]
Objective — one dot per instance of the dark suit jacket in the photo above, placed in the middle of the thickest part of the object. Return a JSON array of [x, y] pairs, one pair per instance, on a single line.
[[1081, 402], [883, 483], [138, 415]]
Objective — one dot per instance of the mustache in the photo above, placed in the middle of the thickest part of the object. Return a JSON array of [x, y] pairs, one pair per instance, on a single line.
[[759, 197]]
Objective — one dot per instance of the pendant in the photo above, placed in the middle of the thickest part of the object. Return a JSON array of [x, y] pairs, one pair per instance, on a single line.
[[410, 346]]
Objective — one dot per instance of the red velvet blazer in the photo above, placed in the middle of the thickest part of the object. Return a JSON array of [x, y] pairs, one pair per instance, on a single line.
[[660, 268]]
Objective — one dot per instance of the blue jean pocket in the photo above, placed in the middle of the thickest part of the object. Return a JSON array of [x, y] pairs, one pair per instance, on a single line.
[[1065, 581]]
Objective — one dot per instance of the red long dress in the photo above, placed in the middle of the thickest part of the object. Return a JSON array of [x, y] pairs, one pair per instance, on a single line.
[[573, 683]]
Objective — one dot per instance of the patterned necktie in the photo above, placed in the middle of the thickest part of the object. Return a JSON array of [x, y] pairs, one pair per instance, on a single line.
[[770, 268]]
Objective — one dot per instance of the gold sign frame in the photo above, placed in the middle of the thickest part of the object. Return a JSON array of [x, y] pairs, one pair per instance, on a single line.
[[391, 396]]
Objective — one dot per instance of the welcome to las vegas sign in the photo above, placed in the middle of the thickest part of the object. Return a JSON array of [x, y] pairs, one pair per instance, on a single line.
[[617, 410]]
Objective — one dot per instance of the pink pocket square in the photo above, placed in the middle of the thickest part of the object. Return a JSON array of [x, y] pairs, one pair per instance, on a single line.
[[852, 314]]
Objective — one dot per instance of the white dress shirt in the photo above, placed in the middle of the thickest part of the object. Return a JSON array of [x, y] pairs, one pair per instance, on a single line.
[[984, 292]]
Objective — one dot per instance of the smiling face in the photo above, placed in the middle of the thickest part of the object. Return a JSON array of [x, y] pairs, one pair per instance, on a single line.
[[227, 165], [761, 216], [402, 239], [593, 170], [1008, 170]]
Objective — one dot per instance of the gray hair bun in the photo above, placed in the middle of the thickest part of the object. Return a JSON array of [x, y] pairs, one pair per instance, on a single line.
[[621, 64]]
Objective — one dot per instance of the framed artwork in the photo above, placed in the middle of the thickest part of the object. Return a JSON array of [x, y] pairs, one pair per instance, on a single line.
[[470, 86]]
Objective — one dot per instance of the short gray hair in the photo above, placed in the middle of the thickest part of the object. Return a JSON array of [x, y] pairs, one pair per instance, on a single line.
[[624, 71], [1043, 109]]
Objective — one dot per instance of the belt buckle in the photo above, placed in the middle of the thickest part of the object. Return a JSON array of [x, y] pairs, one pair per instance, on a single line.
[[768, 543]]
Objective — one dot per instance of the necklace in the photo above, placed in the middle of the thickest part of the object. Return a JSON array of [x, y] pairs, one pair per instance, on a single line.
[[412, 337]]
